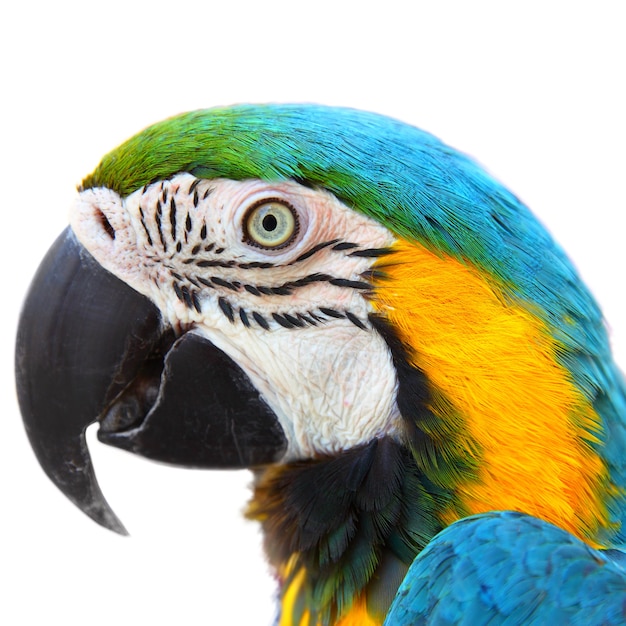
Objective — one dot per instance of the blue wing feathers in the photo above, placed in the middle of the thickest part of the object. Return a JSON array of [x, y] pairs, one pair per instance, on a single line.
[[510, 568]]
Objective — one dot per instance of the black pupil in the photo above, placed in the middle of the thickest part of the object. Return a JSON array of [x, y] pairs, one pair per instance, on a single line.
[[270, 223]]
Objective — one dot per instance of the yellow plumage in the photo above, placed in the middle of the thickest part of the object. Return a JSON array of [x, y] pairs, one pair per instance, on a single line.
[[495, 363]]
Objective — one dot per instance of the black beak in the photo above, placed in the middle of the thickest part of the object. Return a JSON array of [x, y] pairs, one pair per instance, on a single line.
[[90, 348]]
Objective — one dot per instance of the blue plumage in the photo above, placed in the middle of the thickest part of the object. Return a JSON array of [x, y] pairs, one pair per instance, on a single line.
[[509, 568]]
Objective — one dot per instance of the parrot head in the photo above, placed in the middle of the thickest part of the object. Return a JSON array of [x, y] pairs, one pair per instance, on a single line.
[[360, 314]]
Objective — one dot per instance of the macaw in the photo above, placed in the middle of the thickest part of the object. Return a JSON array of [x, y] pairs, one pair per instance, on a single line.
[[410, 365]]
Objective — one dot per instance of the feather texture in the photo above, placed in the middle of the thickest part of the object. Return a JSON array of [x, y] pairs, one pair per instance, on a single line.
[[509, 568], [344, 528]]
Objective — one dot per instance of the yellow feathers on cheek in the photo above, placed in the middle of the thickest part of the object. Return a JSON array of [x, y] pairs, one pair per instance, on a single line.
[[496, 363]]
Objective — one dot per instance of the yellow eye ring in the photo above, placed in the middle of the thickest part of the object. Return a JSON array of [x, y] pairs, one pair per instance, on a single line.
[[270, 224]]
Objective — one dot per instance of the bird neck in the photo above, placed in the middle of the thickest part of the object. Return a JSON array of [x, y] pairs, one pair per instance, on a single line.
[[503, 398], [342, 531]]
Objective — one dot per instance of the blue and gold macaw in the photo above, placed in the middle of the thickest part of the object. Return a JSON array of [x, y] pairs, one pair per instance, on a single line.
[[386, 336]]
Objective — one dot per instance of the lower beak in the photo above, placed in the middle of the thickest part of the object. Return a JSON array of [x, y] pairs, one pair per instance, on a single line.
[[90, 348]]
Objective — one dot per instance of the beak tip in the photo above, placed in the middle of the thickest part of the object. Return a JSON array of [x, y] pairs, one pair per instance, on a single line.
[[110, 521], [99, 511]]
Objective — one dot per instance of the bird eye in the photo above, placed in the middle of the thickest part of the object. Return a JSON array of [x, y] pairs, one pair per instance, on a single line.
[[270, 224]]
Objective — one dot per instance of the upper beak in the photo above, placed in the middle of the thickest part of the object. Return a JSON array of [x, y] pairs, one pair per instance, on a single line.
[[90, 348]]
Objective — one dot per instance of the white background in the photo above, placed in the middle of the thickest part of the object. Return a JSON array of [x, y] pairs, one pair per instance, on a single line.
[[534, 90]]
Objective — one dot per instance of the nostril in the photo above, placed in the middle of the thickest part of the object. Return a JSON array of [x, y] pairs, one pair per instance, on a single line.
[[104, 222]]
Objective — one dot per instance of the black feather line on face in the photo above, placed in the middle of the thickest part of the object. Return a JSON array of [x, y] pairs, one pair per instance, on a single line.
[[196, 301], [413, 395], [243, 316], [345, 245], [356, 321], [210, 263], [294, 321], [260, 320], [320, 246], [306, 319], [187, 297], [227, 309], [281, 319], [331, 312], [173, 218], [372, 253], [252, 289], [441, 446], [145, 228], [205, 282], [255, 264], [223, 283], [157, 218]]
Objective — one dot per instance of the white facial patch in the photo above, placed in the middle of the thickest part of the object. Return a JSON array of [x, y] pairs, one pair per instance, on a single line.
[[292, 314]]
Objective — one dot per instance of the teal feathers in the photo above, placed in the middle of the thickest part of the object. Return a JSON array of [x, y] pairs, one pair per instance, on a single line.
[[509, 568]]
